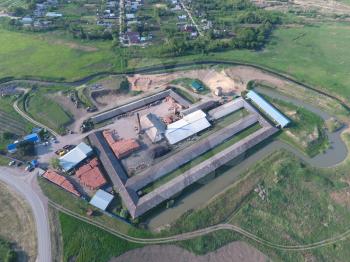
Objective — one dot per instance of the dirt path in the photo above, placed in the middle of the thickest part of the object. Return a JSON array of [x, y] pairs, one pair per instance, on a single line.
[[17, 223], [25, 185], [234, 252]]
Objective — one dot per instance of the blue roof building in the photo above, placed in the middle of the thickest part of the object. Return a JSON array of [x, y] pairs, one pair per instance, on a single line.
[[34, 137], [268, 109], [11, 148]]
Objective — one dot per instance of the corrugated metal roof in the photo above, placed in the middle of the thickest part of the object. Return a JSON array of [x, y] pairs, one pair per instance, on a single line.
[[75, 156], [32, 137], [101, 199], [186, 127], [226, 109], [268, 109]]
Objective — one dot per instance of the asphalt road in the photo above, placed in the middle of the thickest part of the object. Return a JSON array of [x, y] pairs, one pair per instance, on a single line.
[[25, 185]]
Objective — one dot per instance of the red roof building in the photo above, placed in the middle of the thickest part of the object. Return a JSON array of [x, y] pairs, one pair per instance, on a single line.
[[121, 148], [90, 175], [61, 181]]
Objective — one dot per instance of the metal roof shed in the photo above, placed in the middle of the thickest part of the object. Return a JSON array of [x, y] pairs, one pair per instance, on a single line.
[[34, 137], [101, 199], [268, 109], [75, 156], [186, 127]]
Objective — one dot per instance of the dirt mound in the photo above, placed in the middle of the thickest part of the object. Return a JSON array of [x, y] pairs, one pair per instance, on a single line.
[[233, 252]]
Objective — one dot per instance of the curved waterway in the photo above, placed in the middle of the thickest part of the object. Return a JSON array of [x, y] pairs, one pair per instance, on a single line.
[[334, 155]]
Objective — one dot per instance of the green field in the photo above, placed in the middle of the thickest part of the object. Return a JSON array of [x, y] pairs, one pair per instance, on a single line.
[[307, 130], [84, 242], [299, 205], [6, 253], [54, 115], [12, 3], [51, 56], [11, 121], [315, 54]]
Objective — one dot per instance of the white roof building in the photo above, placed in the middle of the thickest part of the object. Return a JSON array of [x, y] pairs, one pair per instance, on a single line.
[[186, 127], [101, 199], [75, 156]]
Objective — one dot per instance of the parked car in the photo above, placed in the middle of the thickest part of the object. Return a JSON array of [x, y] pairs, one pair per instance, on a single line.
[[12, 163]]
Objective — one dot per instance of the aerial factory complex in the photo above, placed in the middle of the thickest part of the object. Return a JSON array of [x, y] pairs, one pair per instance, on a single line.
[[149, 139]]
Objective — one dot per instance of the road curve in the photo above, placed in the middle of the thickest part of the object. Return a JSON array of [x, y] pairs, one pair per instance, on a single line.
[[205, 231], [22, 184], [28, 118]]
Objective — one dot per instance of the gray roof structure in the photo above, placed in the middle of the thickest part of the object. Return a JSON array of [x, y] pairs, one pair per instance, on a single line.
[[188, 126], [271, 111], [153, 127], [226, 109], [202, 105], [101, 199], [114, 169], [75, 156], [138, 104]]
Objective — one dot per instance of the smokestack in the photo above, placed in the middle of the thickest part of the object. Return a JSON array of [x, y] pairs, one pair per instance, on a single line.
[[138, 123]]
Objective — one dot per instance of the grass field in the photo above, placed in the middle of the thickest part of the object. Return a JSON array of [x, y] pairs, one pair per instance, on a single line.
[[306, 131], [48, 56], [54, 115], [4, 4], [11, 121], [84, 242], [300, 205], [315, 54]]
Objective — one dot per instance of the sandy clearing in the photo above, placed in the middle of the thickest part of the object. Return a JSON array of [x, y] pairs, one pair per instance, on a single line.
[[232, 79], [322, 6], [210, 77], [234, 252]]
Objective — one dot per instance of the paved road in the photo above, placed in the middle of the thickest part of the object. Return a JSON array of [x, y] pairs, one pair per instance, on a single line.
[[25, 185]]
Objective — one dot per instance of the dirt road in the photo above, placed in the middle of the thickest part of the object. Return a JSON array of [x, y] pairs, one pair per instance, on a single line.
[[25, 186]]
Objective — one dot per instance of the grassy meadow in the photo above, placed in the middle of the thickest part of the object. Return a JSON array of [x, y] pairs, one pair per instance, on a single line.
[[84, 242], [316, 54], [52, 57], [54, 115], [11, 121]]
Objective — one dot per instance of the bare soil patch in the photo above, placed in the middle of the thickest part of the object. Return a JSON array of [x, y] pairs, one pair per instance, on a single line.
[[321, 6], [17, 223], [210, 77], [234, 252]]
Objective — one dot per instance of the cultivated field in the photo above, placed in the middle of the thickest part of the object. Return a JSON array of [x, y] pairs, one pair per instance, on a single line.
[[10, 121]]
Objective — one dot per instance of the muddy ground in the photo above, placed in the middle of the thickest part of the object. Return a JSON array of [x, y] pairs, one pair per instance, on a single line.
[[234, 252]]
